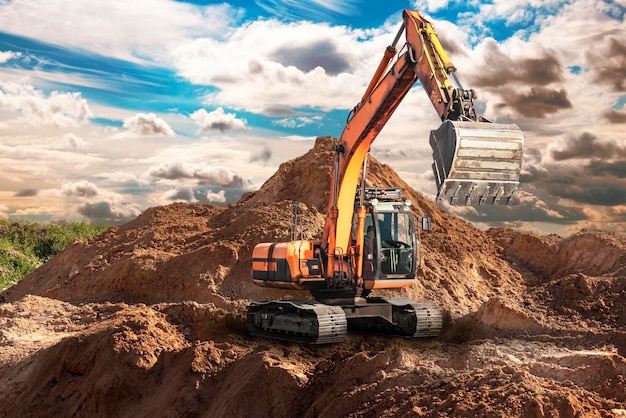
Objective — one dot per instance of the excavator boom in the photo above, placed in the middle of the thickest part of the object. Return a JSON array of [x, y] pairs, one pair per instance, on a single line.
[[475, 161]]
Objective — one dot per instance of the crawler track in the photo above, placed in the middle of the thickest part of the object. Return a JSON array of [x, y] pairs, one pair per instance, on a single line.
[[311, 322], [297, 321], [427, 316]]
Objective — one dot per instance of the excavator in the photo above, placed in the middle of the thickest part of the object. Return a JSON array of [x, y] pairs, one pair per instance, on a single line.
[[370, 238]]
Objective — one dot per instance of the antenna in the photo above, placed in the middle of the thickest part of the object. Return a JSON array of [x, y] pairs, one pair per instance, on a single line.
[[296, 221]]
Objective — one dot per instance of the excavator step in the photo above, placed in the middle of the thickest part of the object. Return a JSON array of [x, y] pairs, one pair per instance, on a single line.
[[477, 163], [297, 321]]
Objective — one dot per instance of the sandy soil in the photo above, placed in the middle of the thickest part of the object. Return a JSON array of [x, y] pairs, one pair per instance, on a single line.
[[147, 319]]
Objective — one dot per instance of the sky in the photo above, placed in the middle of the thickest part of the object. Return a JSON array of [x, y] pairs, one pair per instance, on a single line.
[[110, 107]]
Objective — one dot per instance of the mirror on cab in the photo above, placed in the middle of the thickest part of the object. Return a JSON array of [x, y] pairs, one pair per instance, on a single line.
[[426, 224]]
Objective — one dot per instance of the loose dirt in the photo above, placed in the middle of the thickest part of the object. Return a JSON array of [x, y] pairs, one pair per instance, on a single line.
[[148, 319]]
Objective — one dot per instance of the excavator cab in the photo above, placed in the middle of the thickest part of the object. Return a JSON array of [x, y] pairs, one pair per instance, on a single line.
[[477, 163], [389, 245], [392, 248]]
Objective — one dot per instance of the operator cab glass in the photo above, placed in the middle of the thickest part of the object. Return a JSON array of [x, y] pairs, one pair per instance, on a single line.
[[389, 243]]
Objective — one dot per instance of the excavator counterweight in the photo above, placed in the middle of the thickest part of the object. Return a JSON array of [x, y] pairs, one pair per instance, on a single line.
[[477, 163]]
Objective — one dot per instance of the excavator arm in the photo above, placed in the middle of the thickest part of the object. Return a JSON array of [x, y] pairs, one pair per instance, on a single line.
[[472, 157]]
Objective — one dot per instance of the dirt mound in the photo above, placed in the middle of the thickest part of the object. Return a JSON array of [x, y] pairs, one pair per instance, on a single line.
[[590, 252], [148, 319], [201, 252]]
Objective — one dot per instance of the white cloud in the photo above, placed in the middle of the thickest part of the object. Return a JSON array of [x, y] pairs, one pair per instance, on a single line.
[[80, 188], [297, 122], [217, 120], [72, 141], [38, 109], [6, 56], [430, 5], [131, 30], [35, 163], [148, 124], [41, 210], [286, 65], [219, 197]]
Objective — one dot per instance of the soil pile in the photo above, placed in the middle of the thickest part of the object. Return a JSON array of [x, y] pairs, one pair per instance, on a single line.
[[148, 319]]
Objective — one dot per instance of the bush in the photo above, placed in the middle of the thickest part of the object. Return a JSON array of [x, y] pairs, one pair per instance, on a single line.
[[25, 246]]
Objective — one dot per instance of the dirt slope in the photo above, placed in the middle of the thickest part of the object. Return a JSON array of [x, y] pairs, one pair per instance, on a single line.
[[147, 320]]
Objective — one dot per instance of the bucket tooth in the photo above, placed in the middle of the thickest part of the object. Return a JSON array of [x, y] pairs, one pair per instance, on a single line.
[[483, 197], [511, 199], [470, 195], [455, 195], [475, 159], [498, 196]]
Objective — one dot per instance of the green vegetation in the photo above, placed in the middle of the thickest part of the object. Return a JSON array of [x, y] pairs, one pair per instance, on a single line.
[[25, 246]]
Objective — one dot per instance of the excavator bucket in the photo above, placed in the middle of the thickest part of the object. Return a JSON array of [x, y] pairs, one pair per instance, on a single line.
[[477, 163]]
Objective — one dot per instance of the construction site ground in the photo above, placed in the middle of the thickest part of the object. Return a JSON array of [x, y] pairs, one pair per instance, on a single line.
[[148, 319]]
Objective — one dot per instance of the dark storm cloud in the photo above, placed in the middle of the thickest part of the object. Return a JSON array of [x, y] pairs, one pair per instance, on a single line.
[[220, 176], [614, 116], [538, 102], [599, 182], [540, 71], [180, 193], [100, 210], [597, 177], [27, 193], [532, 154], [500, 70], [320, 54], [532, 173], [608, 168], [106, 212], [172, 171], [451, 46], [587, 145], [609, 63], [584, 188], [280, 111]]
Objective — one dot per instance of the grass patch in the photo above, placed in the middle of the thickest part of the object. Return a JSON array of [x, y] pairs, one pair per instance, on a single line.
[[25, 246]]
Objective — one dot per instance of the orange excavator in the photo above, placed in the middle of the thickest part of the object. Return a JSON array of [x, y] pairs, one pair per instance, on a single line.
[[369, 240]]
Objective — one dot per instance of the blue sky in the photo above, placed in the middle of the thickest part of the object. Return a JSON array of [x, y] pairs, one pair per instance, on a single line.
[[107, 108]]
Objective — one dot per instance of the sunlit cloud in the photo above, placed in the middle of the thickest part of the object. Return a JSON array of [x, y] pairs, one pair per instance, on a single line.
[[217, 120], [148, 124]]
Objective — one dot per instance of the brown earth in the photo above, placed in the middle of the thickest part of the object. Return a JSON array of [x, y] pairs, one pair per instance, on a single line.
[[147, 319]]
